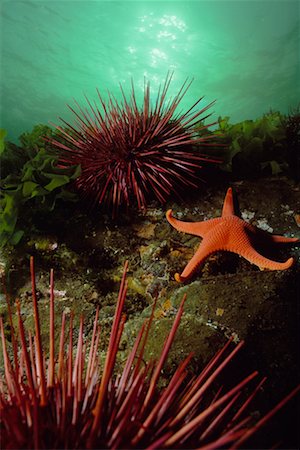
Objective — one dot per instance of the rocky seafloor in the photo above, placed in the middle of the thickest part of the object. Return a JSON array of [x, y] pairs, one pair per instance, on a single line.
[[228, 296]]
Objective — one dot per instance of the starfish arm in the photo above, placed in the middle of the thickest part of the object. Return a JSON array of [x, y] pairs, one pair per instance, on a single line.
[[228, 207], [195, 228], [228, 233], [205, 249], [283, 239], [264, 236], [261, 261]]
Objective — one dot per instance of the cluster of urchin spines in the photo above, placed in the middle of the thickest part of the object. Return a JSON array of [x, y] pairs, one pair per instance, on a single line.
[[130, 155], [67, 402]]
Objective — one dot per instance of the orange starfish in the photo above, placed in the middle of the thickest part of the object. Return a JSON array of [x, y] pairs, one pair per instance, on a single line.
[[230, 233]]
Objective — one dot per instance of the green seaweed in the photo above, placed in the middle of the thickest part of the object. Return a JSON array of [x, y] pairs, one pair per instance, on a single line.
[[32, 182], [36, 182], [292, 128], [34, 140], [3, 133], [254, 147]]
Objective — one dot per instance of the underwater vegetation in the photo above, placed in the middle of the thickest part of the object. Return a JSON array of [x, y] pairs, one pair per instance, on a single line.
[[292, 127], [130, 155], [31, 179], [75, 401], [265, 146]]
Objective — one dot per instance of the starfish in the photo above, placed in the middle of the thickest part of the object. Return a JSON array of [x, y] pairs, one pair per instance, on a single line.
[[230, 233]]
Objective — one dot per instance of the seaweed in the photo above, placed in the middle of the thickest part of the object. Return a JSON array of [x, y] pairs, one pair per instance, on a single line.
[[31, 179], [33, 182], [255, 147], [292, 127]]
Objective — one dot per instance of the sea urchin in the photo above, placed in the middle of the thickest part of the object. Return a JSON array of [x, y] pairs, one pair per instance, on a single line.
[[71, 402], [129, 154]]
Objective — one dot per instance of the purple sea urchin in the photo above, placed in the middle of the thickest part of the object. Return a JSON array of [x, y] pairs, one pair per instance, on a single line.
[[64, 402], [130, 155]]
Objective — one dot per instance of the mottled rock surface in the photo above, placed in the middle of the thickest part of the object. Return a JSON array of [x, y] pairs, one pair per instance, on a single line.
[[226, 297]]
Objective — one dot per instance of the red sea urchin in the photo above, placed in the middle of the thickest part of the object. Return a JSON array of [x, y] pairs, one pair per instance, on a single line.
[[130, 155], [65, 403]]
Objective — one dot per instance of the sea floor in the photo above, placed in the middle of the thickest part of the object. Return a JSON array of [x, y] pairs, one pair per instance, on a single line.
[[228, 296]]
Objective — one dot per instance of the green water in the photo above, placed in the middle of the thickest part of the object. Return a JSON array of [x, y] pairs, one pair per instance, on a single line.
[[244, 54]]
